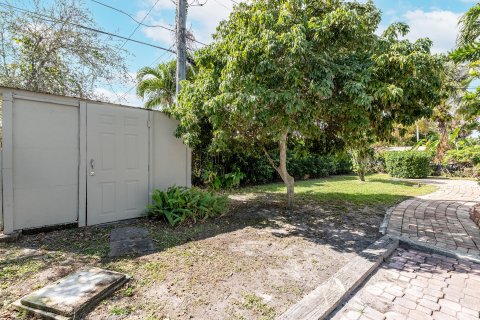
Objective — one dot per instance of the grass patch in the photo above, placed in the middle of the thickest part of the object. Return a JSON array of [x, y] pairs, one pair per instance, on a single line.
[[378, 189], [120, 311], [255, 303], [12, 271]]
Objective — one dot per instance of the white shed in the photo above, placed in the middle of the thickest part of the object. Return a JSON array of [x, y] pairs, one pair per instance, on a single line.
[[68, 160]]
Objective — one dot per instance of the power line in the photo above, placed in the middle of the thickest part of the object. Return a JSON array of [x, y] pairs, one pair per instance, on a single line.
[[51, 19], [221, 4], [132, 17], [141, 23]]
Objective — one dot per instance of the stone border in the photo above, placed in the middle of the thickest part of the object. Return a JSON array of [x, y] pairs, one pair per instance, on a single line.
[[386, 220], [424, 246], [319, 303], [475, 215]]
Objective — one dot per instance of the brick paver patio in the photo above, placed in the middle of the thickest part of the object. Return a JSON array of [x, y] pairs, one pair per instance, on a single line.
[[440, 218], [418, 285]]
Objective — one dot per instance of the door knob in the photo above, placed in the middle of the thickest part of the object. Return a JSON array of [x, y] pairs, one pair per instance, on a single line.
[[92, 163]]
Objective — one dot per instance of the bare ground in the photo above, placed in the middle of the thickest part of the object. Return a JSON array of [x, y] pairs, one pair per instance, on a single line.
[[253, 263]]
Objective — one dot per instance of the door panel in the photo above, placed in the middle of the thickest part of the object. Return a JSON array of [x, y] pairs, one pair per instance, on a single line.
[[117, 163]]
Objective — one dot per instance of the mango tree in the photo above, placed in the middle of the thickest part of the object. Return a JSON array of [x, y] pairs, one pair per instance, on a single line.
[[279, 69]]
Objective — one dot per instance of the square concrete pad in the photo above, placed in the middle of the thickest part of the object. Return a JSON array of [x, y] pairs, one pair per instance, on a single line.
[[74, 294], [130, 241]]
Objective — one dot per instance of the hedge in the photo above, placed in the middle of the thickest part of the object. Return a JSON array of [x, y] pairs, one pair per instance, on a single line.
[[408, 164]]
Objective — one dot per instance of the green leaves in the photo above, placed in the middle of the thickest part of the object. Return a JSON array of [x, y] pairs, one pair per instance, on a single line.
[[179, 204], [408, 164]]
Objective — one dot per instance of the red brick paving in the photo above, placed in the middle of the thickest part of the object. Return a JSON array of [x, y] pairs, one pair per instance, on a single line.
[[441, 218], [418, 285]]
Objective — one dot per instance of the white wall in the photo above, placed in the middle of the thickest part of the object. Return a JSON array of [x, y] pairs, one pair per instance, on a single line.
[[44, 165], [171, 163]]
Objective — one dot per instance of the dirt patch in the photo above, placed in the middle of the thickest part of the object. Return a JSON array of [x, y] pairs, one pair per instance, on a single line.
[[253, 263]]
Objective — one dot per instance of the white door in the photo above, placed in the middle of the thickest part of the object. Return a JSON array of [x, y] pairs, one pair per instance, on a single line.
[[117, 163]]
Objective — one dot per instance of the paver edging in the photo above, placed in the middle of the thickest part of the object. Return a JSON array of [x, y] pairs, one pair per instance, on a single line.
[[424, 246], [320, 302], [386, 220]]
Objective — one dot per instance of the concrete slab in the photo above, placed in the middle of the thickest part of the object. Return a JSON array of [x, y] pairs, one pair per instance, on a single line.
[[130, 241], [125, 233], [73, 295]]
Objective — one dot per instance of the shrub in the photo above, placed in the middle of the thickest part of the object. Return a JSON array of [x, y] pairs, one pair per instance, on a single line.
[[343, 163], [311, 166], [408, 164], [180, 204], [225, 181], [229, 171], [467, 156], [378, 164]]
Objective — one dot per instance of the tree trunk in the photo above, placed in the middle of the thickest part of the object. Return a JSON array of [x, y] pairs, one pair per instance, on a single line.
[[282, 169], [443, 144], [361, 175]]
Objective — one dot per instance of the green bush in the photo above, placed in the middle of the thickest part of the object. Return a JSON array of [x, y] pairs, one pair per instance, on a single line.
[[379, 164], [311, 166], [467, 156], [225, 181], [180, 204], [227, 172], [408, 164], [343, 163]]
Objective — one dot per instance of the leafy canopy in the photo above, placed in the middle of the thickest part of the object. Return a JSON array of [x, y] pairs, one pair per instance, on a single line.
[[279, 69], [271, 69], [53, 54]]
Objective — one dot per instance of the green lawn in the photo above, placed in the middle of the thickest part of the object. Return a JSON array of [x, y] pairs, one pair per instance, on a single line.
[[378, 189]]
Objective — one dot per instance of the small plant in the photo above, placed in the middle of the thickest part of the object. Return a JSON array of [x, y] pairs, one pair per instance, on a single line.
[[180, 204], [408, 164], [227, 181]]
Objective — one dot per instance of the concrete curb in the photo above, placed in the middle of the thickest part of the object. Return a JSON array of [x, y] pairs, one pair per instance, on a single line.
[[319, 303], [386, 220]]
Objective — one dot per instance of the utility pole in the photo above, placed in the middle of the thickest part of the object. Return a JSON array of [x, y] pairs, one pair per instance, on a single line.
[[181, 42]]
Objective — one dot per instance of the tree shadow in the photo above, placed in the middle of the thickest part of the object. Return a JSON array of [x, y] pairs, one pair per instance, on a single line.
[[345, 222], [343, 226]]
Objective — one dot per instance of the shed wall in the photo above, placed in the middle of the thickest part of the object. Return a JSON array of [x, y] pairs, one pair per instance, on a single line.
[[45, 164], [171, 158]]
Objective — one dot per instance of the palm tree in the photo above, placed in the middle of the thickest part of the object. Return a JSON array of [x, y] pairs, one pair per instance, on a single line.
[[468, 50], [468, 43], [157, 87], [447, 114]]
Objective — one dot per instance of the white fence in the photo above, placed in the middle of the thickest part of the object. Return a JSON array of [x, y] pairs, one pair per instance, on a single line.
[[68, 160]]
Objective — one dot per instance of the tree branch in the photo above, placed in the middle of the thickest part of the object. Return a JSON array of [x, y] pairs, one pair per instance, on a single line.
[[270, 160]]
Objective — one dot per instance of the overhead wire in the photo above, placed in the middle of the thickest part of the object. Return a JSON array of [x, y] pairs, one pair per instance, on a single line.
[[142, 23], [51, 19], [139, 24]]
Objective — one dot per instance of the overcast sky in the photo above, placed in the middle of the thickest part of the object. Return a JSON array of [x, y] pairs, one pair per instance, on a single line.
[[436, 19]]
